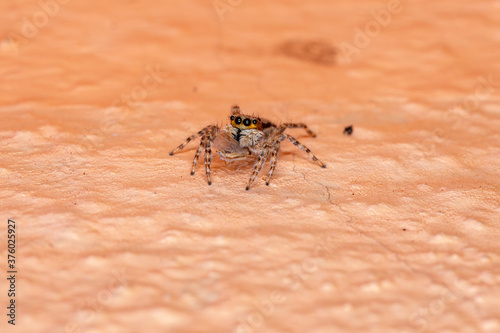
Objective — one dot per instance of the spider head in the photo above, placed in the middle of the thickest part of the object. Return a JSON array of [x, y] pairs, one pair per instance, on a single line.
[[242, 121], [245, 122]]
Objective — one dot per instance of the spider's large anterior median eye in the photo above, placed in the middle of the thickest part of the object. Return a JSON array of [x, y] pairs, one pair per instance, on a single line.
[[238, 120], [247, 122]]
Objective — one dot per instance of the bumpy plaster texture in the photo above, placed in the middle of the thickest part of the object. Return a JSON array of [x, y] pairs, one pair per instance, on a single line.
[[398, 234]]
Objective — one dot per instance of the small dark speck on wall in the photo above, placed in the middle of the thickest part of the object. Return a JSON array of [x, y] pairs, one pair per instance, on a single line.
[[348, 130]]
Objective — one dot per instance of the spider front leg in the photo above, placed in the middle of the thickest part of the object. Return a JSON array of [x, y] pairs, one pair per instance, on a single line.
[[273, 148], [299, 125], [205, 145], [304, 148], [259, 164], [274, 161], [208, 161], [208, 134], [209, 129], [196, 157]]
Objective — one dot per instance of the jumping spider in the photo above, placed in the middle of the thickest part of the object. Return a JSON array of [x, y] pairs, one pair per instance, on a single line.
[[244, 137]]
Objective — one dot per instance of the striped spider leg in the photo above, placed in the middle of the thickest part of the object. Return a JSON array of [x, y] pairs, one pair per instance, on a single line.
[[272, 147], [298, 125], [208, 134]]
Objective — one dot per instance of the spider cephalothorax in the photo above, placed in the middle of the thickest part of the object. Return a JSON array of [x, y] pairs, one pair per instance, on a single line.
[[244, 137]]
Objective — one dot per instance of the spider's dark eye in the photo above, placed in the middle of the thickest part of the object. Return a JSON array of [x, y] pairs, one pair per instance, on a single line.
[[254, 122], [247, 122], [238, 120], [232, 117]]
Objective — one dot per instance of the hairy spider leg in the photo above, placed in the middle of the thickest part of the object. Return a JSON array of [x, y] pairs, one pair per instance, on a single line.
[[208, 159], [274, 161], [212, 130], [207, 134], [299, 125], [272, 147], [197, 156], [304, 148], [258, 165]]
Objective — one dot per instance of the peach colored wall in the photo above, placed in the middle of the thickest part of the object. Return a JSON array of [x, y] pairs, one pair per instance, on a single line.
[[398, 234]]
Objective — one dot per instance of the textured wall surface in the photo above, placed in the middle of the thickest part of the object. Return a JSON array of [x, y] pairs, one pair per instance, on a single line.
[[400, 233]]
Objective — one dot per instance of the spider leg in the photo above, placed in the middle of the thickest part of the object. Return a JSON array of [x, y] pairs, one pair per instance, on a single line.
[[210, 128], [208, 160], [299, 125], [196, 157], [258, 165], [304, 148], [274, 161], [208, 134]]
